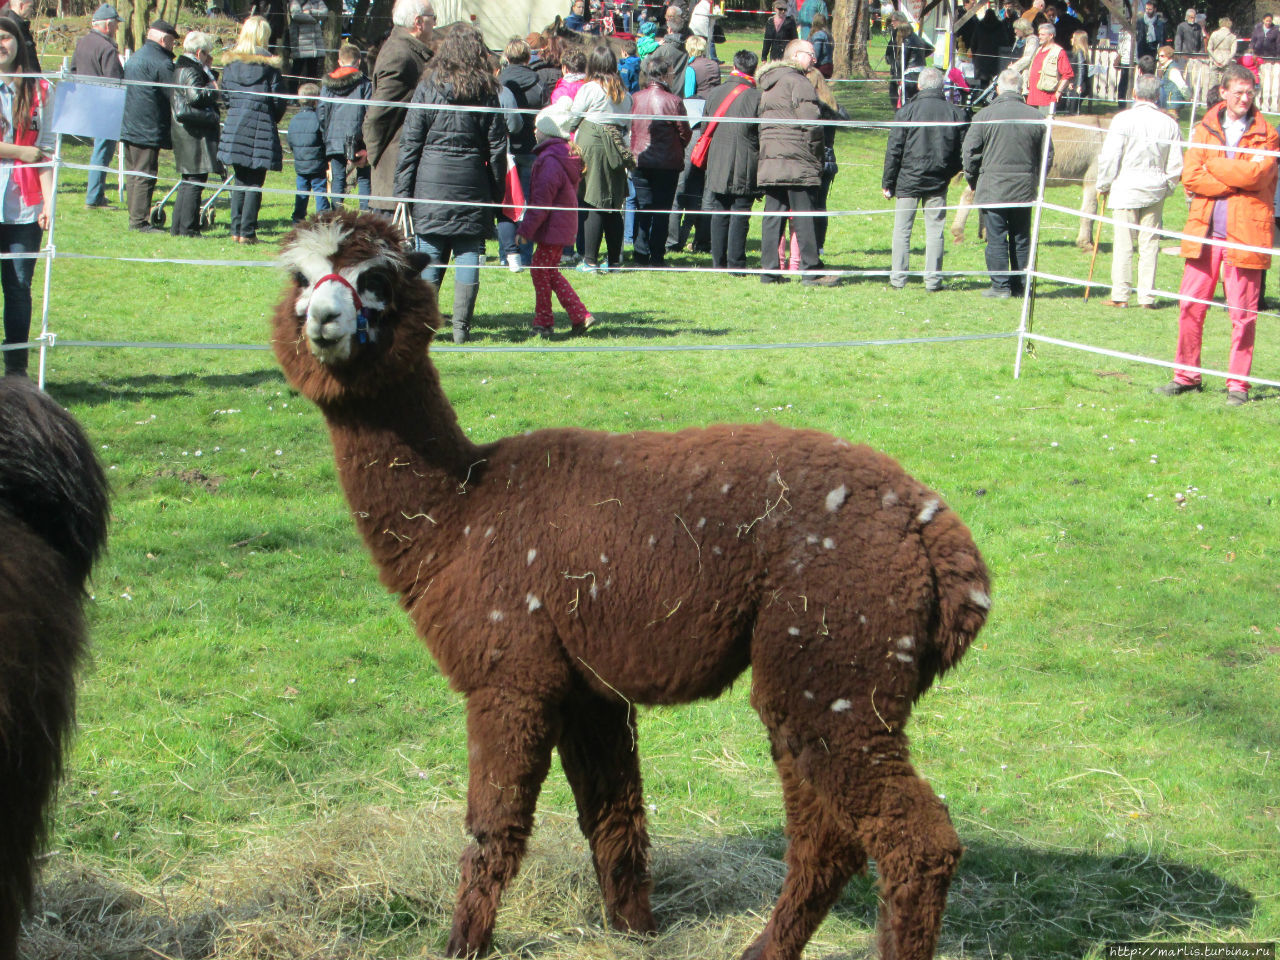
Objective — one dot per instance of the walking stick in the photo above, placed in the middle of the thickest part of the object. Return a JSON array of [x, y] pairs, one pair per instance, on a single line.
[[1097, 239]]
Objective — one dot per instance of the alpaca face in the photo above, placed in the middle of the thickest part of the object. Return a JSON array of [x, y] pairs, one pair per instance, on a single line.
[[343, 282]]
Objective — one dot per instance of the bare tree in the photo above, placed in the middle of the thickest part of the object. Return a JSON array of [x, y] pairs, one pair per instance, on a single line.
[[850, 30]]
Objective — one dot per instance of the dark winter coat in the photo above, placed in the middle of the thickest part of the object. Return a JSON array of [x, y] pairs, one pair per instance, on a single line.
[[668, 64], [307, 143], [341, 123], [706, 76], [527, 90], [395, 77], [1064, 29], [96, 56], [451, 155], [1160, 30], [791, 155], [1266, 43], [306, 28], [776, 38], [1002, 160], [250, 136], [658, 144], [195, 129], [548, 75], [985, 35], [1188, 38], [553, 182], [147, 110], [735, 147], [922, 155]]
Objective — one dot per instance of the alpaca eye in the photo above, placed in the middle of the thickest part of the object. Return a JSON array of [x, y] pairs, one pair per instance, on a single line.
[[376, 284], [300, 279]]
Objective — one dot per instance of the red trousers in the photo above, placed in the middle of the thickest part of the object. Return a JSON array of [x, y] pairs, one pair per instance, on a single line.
[[1241, 287], [547, 279]]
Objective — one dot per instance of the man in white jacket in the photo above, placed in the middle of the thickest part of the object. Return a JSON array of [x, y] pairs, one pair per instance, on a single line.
[[1140, 164]]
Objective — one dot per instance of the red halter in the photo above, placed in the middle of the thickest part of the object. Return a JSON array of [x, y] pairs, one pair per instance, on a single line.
[[362, 318]]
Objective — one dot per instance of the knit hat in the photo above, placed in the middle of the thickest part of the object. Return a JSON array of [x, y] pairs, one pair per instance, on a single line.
[[553, 121], [649, 28]]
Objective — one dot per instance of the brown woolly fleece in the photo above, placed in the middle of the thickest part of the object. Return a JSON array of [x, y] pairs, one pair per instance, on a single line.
[[53, 524], [562, 577]]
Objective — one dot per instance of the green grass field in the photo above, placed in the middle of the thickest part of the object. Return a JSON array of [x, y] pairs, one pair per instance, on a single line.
[[269, 765]]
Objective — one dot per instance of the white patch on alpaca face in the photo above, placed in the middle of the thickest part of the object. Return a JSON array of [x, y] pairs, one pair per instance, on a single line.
[[929, 510], [836, 498], [534, 602], [840, 706], [530, 557], [495, 616], [980, 598], [906, 643]]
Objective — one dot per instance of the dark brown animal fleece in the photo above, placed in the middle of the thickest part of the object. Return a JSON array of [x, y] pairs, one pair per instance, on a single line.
[[562, 577]]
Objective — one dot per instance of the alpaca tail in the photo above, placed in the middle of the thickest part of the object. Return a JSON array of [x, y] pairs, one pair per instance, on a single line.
[[961, 584]]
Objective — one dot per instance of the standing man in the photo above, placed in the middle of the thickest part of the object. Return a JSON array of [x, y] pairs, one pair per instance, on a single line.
[[732, 156], [791, 155], [96, 56], [1232, 200], [1140, 164], [1189, 37], [147, 113], [1153, 30], [23, 9], [1002, 163], [395, 76], [922, 157], [1050, 72], [1266, 38]]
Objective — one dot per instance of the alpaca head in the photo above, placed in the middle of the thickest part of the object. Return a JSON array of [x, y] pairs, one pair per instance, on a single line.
[[355, 313]]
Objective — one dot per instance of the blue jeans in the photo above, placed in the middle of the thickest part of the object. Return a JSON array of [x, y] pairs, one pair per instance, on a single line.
[[338, 177], [466, 257], [629, 213], [316, 186], [104, 151], [15, 281]]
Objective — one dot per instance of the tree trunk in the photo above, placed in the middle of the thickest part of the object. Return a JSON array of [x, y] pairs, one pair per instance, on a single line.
[[332, 34], [849, 30]]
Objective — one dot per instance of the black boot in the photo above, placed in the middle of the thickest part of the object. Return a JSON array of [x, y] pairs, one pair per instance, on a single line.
[[464, 305]]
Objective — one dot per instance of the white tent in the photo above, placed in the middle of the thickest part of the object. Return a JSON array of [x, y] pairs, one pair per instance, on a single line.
[[500, 20]]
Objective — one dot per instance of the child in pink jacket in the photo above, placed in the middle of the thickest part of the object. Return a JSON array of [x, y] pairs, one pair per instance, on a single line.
[[551, 218]]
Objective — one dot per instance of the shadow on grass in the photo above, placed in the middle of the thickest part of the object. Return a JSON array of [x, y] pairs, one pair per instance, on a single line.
[[156, 386], [1004, 900], [497, 329]]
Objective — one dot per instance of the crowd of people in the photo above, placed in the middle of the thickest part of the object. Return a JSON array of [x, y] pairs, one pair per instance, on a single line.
[[656, 149]]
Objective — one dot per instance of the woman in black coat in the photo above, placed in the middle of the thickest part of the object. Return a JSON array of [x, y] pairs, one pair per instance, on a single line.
[[251, 136], [195, 129], [453, 163]]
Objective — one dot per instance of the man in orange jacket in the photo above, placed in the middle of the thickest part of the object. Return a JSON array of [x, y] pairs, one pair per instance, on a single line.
[[1232, 202]]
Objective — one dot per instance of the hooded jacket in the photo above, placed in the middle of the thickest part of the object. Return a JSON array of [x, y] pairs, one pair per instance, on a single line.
[[526, 88], [342, 122], [553, 183], [250, 136], [790, 155], [1247, 182], [734, 152], [924, 152], [146, 105], [451, 156]]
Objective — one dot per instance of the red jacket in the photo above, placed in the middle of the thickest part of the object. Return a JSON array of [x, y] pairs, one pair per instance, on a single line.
[[28, 177], [553, 182], [1246, 181]]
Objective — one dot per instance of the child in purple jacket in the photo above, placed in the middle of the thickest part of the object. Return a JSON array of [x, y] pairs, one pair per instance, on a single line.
[[551, 218]]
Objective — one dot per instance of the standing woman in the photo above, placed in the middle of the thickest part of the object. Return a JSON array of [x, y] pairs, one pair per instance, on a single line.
[[194, 129], [250, 138], [453, 164], [599, 115], [26, 192]]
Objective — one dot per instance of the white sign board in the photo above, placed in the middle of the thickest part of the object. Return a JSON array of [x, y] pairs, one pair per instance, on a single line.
[[84, 109]]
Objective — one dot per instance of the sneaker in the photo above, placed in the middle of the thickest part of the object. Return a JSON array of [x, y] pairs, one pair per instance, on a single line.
[[585, 267], [996, 293], [603, 268], [587, 323], [1237, 398], [1174, 389], [513, 263]]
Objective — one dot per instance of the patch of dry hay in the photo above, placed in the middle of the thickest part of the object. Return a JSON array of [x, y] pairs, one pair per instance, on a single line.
[[380, 883]]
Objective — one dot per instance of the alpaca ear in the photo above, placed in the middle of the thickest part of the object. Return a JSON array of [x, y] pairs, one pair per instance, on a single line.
[[416, 261]]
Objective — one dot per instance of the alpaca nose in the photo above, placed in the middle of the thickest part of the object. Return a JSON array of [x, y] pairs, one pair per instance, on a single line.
[[325, 323]]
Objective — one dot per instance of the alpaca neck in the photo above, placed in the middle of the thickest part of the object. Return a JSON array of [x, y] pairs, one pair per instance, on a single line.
[[404, 464]]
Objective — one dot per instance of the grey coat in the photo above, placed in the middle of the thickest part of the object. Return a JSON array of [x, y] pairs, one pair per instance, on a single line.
[[306, 28], [195, 127], [1001, 159], [395, 77], [790, 155]]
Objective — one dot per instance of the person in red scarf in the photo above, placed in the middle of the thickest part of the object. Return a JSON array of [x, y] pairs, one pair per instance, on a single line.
[[26, 190]]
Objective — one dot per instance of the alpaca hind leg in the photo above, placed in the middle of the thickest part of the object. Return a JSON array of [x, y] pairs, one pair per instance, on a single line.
[[599, 756], [509, 739], [961, 215], [823, 852]]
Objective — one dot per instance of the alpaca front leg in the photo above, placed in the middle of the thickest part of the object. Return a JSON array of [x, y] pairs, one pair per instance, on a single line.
[[1088, 208], [598, 752], [509, 736]]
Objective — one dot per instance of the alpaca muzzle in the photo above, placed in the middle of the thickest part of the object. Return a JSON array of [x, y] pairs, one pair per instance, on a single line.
[[336, 318]]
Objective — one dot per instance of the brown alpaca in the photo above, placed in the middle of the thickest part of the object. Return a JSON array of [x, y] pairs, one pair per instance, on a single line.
[[564, 576], [53, 524]]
